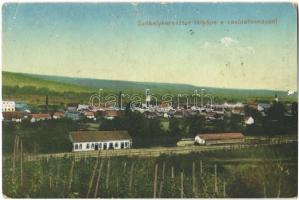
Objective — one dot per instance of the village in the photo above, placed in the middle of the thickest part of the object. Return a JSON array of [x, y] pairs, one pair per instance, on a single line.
[[91, 139]]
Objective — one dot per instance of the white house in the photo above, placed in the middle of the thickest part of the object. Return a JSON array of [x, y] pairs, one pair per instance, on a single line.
[[100, 140], [249, 120], [8, 106], [82, 107]]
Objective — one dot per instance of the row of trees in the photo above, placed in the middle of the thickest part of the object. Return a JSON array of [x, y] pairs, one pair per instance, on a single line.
[[276, 121], [41, 137]]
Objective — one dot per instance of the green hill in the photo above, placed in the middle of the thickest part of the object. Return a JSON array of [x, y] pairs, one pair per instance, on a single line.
[[159, 88], [87, 85], [21, 80]]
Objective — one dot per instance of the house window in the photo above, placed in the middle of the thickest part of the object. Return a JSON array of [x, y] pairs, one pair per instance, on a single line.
[[87, 146], [111, 145], [80, 146], [126, 144], [92, 145], [76, 146], [122, 145], [116, 144], [100, 145]]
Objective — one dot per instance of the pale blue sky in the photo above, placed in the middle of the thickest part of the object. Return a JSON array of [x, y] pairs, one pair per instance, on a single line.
[[103, 40]]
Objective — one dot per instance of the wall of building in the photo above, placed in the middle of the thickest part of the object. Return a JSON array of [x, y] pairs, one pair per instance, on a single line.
[[91, 146], [8, 106], [227, 141]]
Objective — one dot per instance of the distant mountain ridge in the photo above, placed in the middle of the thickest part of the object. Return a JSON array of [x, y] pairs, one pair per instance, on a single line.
[[90, 84]]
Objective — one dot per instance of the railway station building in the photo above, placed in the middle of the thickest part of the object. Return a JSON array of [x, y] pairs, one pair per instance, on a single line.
[[100, 140]]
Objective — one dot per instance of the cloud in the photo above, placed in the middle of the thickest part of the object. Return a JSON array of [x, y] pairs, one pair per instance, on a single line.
[[206, 45], [228, 41]]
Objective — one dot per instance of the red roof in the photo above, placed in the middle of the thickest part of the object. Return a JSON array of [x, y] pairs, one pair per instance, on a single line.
[[41, 115], [60, 114], [12, 115], [221, 136], [88, 113]]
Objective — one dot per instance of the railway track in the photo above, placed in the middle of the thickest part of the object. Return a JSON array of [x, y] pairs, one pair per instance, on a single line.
[[148, 152]]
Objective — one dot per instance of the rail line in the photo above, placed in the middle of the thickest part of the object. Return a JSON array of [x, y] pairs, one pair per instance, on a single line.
[[147, 152]]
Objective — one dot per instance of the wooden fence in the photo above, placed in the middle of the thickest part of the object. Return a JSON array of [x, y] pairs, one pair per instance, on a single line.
[[152, 152]]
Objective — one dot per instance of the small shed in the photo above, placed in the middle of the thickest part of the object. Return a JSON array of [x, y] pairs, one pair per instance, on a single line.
[[219, 138], [100, 140]]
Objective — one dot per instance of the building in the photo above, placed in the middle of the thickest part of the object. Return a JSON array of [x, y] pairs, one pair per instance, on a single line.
[[8, 106], [72, 107], [150, 115], [263, 107], [21, 106], [82, 107], [111, 114], [89, 115], [13, 116], [72, 115], [58, 115], [100, 140], [248, 120], [39, 117], [211, 116], [178, 114], [219, 138]]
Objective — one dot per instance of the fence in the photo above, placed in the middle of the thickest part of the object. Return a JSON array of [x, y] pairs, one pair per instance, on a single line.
[[153, 152]]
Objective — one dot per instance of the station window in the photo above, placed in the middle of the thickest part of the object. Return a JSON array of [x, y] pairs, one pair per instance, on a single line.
[[76, 146], [92, 145], [100, 145], [116, 144], [80, 146], [87, 146]]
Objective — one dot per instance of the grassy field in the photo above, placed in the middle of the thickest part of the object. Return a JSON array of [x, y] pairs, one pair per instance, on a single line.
[[204, 175]]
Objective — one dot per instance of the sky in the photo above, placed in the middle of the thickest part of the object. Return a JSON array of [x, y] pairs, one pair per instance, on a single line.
[[115, 41]]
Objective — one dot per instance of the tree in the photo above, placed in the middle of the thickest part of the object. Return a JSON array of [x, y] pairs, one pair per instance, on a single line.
[[174, 126], [196, 125], [295, 108], [276, 111]]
